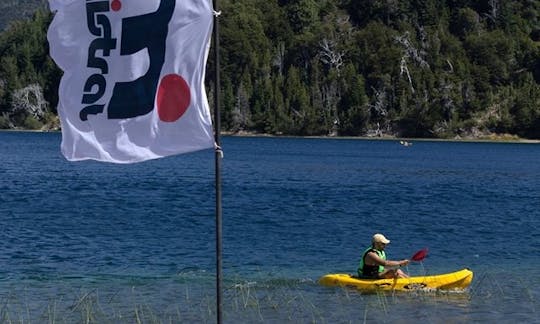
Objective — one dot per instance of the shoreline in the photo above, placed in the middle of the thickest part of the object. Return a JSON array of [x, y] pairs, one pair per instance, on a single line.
[[498, 138], [494, 138]]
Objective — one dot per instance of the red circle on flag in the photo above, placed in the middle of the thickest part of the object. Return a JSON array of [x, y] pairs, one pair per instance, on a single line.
[[173, 98], [116, 5]]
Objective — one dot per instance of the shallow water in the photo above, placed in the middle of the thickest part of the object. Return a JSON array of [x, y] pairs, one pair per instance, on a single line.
[[126, 241]]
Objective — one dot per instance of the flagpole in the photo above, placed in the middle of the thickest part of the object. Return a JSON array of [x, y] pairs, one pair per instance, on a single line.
[[218, 157]]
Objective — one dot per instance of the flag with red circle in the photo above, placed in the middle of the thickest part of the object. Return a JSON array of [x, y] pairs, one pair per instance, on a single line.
[[133, 83]]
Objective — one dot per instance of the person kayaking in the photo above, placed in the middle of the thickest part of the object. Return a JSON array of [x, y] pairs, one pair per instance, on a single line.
[[373, 263]]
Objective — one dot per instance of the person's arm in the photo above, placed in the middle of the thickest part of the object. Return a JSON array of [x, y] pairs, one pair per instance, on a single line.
[[387, 263]]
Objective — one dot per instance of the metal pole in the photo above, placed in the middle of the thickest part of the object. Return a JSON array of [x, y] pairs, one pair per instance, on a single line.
[[218, 156]]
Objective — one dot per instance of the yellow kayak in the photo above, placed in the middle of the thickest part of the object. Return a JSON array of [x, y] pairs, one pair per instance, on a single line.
[[458, 280]]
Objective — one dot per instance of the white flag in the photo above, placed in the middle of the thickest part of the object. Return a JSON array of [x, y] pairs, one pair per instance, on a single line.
[[133, 83]]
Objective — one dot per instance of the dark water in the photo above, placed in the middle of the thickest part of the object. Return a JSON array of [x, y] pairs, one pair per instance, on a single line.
[[120, 243]]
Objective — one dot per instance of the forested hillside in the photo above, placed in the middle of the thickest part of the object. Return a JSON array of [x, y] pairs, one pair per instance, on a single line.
[[431, 68], [11, 10]]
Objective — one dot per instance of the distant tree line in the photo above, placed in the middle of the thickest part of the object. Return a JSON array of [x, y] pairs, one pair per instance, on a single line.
[[12, 10], [408, 68]]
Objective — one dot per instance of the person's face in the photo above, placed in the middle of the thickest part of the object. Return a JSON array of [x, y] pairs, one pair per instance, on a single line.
[[380, 246]]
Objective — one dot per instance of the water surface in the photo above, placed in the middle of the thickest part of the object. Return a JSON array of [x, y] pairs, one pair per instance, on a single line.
[[138, 240]]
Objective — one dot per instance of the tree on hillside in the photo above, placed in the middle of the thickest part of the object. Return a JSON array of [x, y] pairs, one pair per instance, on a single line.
[[347, 67]]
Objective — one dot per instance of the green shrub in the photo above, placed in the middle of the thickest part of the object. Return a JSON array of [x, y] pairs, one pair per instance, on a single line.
[[31, 123]]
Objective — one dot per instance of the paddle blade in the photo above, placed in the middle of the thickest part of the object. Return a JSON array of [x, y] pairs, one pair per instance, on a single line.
[[420, 255]]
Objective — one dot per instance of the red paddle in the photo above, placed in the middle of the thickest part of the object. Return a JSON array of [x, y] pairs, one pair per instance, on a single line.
[[420, 255]]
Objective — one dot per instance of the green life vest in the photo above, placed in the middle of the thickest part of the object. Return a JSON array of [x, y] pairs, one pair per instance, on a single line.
[[381, 255]]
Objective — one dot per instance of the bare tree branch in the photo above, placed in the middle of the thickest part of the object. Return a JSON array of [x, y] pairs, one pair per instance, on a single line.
[[493, 10], [30, 99], [279, 58], [405, 69], [380, 102], [410, 51], [330, 55]]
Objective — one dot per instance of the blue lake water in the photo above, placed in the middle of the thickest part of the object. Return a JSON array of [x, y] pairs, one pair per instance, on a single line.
[[127, 241]]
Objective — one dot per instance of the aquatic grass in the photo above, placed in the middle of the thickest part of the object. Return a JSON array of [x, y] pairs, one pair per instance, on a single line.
[[382, 301], [529, 294], [260, 300], [251, 304], [485, 285], [51, 312], [504, 288], [288, 302]]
